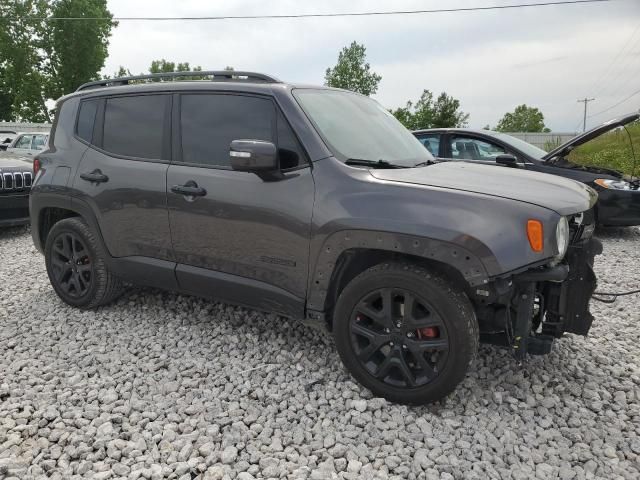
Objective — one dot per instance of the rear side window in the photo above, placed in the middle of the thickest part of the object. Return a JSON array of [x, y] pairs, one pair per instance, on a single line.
[[39, 142], [134, 125], [86, 119], [210, 122]]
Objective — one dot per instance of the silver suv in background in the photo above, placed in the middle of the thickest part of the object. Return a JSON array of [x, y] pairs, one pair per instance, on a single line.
[[28, 143]]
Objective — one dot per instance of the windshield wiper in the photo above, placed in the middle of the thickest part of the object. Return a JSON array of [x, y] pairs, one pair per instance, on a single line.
[[425, 163], [372, 163]]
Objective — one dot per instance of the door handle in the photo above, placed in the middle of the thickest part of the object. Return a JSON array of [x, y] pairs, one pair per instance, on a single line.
[[94, 177], [189, 189]]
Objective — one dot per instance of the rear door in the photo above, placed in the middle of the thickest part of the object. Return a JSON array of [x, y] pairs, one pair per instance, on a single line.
[[122, 175], [245, 240]]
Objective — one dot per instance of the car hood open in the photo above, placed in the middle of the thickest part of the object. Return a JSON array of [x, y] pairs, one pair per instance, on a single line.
[[565, 148], [549, 191]]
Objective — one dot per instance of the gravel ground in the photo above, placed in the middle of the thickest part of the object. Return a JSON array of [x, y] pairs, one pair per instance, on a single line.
[[160, 385]]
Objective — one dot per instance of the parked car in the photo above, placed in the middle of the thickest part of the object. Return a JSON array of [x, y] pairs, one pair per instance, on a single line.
[[28, 143], [619, 198], [313, 203], [6, 137], [15, 184]]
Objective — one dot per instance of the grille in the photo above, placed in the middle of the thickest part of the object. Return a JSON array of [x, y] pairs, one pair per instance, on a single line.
[[15, 181]]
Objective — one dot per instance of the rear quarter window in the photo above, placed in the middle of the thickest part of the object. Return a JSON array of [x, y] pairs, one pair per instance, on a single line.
[[86, 119]]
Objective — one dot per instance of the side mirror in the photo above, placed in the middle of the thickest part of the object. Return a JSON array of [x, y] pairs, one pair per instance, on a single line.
[[507, 160], [253, 156]]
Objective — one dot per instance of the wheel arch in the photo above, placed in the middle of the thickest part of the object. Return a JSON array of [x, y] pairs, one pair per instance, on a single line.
[[50, 209], [348, 253]]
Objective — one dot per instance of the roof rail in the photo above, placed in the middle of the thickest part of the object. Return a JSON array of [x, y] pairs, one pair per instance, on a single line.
[[217, 75]]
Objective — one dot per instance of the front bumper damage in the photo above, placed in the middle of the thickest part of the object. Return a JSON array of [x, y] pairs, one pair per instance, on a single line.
[[529, 310]]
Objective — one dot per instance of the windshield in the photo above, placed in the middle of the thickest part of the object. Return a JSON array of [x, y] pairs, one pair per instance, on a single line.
[[357, 127], [521, 145]]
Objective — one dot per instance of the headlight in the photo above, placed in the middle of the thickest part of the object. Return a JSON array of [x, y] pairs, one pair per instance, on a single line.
[[613, 184], [562, 237]]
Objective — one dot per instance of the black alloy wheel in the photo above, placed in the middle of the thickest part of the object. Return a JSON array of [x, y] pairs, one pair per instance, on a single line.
[[405, 332], [399, 338], [71, 264], [77, 267]]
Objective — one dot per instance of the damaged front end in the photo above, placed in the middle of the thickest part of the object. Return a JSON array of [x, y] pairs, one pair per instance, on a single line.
[[530, 309]]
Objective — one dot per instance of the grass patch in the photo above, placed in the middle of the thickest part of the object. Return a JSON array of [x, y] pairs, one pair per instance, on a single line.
[[611, 150]]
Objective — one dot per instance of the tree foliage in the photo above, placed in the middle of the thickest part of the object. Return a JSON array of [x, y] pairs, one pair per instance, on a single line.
[[427, 112], [164, 66], [352, 72], [41, 59], [522, 119]]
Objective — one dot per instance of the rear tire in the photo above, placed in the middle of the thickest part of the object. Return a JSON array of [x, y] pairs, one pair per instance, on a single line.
[[405, 333], [76, 265]]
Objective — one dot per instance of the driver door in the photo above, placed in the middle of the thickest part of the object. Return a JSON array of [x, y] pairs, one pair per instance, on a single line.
[[241, 239]]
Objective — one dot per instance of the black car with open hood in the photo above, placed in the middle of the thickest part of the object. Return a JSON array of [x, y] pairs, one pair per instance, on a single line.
[[618, 196]]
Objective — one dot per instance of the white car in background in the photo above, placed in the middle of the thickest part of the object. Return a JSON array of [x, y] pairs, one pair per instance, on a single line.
[[27, 143]]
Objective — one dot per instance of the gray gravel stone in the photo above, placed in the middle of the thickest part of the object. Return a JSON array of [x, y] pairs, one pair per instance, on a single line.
[[161, 385]]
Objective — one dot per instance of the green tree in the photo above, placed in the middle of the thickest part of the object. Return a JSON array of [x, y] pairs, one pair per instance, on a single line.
[[442, 112], [76, 50], [522, 119], [352, 72], [122, 72], [21, 62], [41, 59], [164, 66]]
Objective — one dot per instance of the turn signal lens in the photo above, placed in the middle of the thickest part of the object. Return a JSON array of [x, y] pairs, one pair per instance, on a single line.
[[36, 165], [535, 236]]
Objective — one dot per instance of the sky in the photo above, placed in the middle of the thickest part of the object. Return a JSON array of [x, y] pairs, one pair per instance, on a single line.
[[491, 61]]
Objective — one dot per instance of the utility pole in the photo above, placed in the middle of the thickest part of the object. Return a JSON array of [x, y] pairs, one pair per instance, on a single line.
[[585, 100]]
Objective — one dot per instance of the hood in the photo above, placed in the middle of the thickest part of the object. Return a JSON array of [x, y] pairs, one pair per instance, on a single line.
[[565, 148], [549, 191], [11, 161]]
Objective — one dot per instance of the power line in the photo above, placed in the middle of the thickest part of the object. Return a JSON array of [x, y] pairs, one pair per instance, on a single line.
[[615, 104], [310, 15], [599, 83]]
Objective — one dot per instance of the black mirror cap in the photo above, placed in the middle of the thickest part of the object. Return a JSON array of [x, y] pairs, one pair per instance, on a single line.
[[253, 156], [507, 160]]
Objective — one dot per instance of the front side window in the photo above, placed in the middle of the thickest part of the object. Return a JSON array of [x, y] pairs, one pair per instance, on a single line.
[[431, 142], [356, 127], [210, 122], [466, 148], [134, 125], [24, 141]]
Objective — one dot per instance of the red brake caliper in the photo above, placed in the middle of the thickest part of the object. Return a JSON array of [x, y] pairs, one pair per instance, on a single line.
[[428, 333]]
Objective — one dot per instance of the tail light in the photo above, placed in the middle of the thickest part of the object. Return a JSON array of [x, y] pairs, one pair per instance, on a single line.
[[36, 165]]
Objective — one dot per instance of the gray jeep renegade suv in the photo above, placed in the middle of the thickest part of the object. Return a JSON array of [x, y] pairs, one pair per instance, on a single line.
[[314, 203]]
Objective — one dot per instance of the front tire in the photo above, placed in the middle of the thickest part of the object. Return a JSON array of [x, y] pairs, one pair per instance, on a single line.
[[76, 265], [405, 333]]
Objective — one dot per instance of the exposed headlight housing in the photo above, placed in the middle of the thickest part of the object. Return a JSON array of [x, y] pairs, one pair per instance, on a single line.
[[613, 184], [562, 237]]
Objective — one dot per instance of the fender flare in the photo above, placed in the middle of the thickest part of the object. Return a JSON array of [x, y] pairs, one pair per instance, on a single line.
[[474, 270]]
